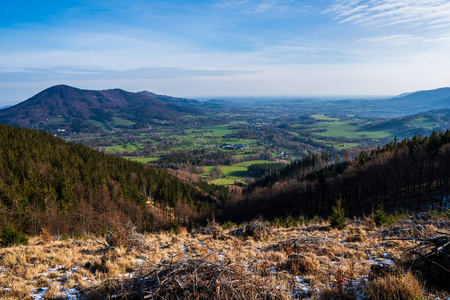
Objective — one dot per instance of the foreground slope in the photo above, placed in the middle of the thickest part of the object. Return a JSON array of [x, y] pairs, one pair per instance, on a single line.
[[304, 261], [63, 187]]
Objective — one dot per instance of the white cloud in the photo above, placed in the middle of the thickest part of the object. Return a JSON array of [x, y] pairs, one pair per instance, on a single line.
[[393, 40], [274, 7], [399, 13]]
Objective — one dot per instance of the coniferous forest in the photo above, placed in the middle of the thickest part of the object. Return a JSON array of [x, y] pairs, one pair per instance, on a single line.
[[46, 182], [400, 176]]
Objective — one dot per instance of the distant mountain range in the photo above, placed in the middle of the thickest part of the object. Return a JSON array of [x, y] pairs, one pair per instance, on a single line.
[[78, 109], [431, 99], [184, 102]]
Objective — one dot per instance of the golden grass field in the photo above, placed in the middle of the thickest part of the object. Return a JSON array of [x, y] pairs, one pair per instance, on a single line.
[[305, 262]]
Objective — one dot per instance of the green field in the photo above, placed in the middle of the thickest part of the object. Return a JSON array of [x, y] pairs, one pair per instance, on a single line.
[[336, 128], [219, 130], [322, 117], [426, 123], [129, 147], [122, 122], [143, 160], [100, 124], [237, 172], [208, 170]]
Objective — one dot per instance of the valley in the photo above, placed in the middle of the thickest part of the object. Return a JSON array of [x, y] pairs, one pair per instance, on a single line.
[[93, 205], [225, 149], [278, 131]]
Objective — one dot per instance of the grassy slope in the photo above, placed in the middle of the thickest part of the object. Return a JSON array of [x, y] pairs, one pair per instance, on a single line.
[[313, 261]]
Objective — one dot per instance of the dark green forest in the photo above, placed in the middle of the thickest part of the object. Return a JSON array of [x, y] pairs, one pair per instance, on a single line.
[[401, 176], [200, 157], [48, 183]]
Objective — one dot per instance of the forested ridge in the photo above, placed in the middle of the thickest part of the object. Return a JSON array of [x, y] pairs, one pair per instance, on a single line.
[[46, 182], [404, 175]]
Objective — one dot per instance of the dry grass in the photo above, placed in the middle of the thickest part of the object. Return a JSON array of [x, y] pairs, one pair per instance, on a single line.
[[395, 287], [302, 262]]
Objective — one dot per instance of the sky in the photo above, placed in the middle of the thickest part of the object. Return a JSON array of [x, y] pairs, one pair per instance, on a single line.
[[225, 48]]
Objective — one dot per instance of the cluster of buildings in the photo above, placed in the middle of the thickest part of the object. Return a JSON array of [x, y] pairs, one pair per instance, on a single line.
[[235, 147]]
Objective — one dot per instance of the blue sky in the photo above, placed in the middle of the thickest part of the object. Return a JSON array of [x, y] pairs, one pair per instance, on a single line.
[[225, 48]]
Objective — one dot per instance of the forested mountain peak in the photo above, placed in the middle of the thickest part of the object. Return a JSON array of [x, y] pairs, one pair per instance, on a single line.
[[73, 109]]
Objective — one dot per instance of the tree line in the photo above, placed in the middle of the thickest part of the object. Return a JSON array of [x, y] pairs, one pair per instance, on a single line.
[[404, 175]]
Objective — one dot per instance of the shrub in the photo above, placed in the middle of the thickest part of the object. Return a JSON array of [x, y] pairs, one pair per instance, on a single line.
[[302, 220], [290, 222], [380, 217], [175, 228], [10, 236], [277, 222], [315, 220], [229, 225], [338, 219]]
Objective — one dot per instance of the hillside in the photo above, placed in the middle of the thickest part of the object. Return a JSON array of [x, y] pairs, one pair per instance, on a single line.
[[77, 110], [438, 97], [415, 102], [422, 123], [306, 260], [183, 102], [46, 182], [402, 176]]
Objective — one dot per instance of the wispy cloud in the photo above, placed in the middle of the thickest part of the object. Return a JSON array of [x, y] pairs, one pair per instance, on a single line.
[[394, 40], [274, 7], [71, 73], [406, 40], [399, 13]]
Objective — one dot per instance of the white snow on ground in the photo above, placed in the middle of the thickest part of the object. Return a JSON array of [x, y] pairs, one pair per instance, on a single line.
[[39, 293], [70, 294]]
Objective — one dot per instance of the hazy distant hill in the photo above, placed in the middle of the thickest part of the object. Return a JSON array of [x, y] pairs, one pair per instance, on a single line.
[[75, 109], [181, 101], [422, 123], [430, 99]]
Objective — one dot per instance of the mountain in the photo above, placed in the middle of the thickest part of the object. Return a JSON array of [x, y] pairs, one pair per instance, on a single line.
[[78, 110], [432, 99], [184, 102], [46, 182]]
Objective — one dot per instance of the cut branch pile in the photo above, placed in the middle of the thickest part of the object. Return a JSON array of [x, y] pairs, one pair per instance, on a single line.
[[256, 229], [421, 225], [212, 228], [195, 279], [127, 237], [431, 259]]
